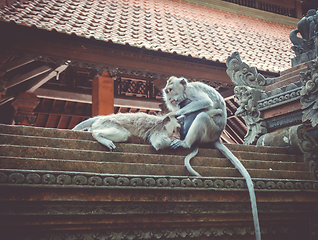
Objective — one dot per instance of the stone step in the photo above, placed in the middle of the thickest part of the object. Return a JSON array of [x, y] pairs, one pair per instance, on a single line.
[[44, 132], [22, 140], [24, 147], [142, 169], [93, 156], [74, 154], [69, 134]]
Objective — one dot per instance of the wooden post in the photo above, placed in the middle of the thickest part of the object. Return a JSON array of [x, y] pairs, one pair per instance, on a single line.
[[103, 95], [24, 104], [299, 10]]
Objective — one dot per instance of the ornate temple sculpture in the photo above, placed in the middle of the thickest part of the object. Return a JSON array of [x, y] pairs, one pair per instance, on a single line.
[[309, 93], [249, 85], [306, 46], [261, 99]]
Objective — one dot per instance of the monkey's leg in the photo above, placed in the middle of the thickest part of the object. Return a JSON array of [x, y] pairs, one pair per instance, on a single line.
[[199, 131], [109, 135]]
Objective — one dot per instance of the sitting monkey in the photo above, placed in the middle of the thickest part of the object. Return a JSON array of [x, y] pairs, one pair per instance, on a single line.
[[160, 131], [203, 114]]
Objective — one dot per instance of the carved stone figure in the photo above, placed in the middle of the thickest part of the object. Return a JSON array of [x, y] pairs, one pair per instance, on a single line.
[[247, 99], [243, 75], [309, 148], [309, 93], [249, 86], [305, 47]]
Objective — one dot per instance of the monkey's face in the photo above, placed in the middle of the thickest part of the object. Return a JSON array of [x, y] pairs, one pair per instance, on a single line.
[[174, 92], [173, 128]]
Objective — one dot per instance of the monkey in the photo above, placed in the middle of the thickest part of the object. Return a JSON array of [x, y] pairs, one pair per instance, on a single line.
[[159, 130], [203, 116]]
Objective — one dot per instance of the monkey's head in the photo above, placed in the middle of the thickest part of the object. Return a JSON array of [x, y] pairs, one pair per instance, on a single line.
[[173, 127], [174, 92], [166, 131]]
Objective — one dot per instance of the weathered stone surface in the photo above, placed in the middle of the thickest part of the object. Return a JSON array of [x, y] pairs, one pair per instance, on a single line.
[[304, 38], [59, 187]]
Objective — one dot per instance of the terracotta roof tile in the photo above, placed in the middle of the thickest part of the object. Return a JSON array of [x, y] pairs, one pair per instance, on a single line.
[[168, 25]]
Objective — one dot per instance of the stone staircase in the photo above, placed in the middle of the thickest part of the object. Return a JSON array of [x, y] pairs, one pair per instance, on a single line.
[[62, 184], [32, 148]]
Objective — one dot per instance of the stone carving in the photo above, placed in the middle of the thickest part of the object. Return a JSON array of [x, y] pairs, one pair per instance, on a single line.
[[62, 179], [273, 100], [249, 85], [305, 48], [309, 93], [243, 75], [247, 99], [282, 121], [168, 233], [137, 208], [309, 147]]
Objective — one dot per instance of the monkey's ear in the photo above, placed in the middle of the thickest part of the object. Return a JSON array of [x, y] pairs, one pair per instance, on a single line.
[[166, 120], [183, 81]]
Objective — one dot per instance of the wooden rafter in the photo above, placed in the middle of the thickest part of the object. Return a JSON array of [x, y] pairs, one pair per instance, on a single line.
[[16, 63], [29, 75]]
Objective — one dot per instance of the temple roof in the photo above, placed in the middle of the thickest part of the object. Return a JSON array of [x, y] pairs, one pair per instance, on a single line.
[[162, 25]]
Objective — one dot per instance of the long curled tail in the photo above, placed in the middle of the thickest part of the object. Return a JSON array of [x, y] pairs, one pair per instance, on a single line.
[[87, 124], [228, 154], [187, 161]]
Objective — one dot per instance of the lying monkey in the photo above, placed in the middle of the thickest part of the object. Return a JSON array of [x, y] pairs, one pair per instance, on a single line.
[[160, 131], [203, 113]]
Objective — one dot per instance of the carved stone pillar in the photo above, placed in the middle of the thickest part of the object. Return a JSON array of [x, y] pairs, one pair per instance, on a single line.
[[296, 139], [247, 99], [103, 95], [309, 93], [249, 85], [24, 105]]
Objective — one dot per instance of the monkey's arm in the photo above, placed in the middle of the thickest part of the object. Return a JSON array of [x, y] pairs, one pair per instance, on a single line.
[[194, 106]]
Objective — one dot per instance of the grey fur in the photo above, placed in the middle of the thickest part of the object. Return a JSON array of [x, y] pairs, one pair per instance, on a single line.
[[160, 131], [206, 109]]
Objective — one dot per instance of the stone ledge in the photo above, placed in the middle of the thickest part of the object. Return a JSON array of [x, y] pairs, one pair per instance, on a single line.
[[53, 179]]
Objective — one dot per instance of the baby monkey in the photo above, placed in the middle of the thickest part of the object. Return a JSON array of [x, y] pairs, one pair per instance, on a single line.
[[160, 131], [203, 114]]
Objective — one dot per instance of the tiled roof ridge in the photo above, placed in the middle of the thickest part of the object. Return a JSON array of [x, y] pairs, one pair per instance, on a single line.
[[167, 25]]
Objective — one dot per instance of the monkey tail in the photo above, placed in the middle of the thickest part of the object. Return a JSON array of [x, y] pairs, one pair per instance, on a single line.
[[228, 154], [187, 161], [84, 125]]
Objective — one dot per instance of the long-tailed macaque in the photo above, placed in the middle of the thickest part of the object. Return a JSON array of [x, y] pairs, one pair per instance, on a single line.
[[203, 114], [160, 131]]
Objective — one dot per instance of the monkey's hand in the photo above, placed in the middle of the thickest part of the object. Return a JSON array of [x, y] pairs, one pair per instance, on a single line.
[[179, 143], [181, 118], [172, 114]]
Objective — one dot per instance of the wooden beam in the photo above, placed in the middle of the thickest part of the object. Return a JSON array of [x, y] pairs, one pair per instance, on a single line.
[[16, 63], [52, 74], [87, 98], [24, 77], [62, 95]]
